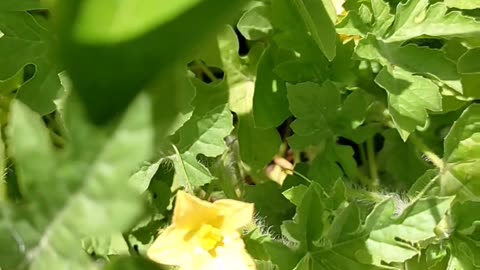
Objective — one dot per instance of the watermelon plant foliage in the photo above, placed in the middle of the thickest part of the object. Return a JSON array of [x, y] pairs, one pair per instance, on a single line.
[[352, 126]]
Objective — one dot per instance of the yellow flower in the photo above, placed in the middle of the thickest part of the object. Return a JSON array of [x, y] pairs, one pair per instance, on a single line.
[[205, 236]]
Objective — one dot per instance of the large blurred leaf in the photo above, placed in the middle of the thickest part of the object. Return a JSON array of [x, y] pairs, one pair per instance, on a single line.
[[109, 67], [15, 5], [27, 42], [67, 197]]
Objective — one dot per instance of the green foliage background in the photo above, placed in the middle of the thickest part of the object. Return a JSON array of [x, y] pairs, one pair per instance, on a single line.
[[107, 108]]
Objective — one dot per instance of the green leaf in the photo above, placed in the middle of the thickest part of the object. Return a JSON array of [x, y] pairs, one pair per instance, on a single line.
[[315, 107], [464, 252], [270, 104], [295, 194], [345, 226], [318, 23], [82, 195], [434, 257], [412, 224], [354, 109], [308, 224], [459, 139], [25, 42], [24, 147], [173, 93], [257, 145], [310, 17], [93, 42], [189, 172], [349, 255], [353, 25], [281, 255], [383, 18], [414, 19], [463, 4], [462, 152], [469, 62], [412, 58], [466, 216], [307, 263], [330, 165], [105, 246], [132, 263], [141, 179], [15, 5], [409, 97], [205, 134], [401, 174], [272, 211], [255, 23]]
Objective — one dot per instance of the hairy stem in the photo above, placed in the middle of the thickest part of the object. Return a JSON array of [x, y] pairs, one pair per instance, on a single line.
[[436, 160]]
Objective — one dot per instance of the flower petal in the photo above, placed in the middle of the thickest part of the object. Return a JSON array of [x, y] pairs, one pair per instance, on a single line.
[[170, 248], [231, 256], [191, 212], [236, 214]]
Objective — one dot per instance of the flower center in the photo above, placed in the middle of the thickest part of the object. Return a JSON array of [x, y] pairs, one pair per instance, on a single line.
[[210, 238]]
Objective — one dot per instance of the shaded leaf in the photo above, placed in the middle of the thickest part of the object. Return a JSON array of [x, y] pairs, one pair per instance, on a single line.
[[409, 97]]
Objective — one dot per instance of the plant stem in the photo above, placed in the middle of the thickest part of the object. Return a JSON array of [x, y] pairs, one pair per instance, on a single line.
[[372, 163], [436, 160], [363, 155], [426, 188], [206, 70]]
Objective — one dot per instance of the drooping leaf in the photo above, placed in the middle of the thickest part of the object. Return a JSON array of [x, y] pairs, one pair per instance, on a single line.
[[81, 194], [93, 42]]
